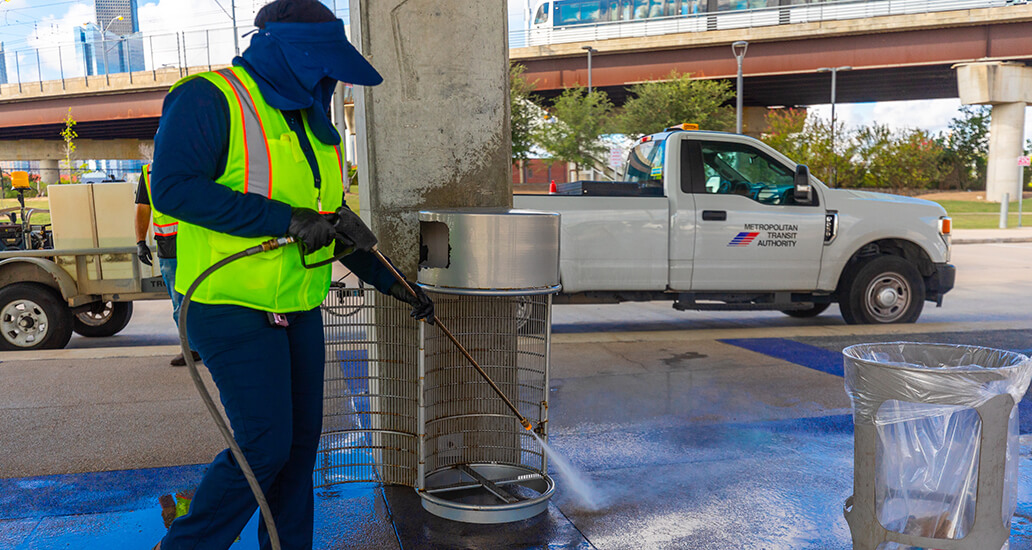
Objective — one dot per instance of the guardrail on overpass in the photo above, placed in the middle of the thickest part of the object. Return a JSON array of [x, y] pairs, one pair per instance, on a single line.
[[151, 58]]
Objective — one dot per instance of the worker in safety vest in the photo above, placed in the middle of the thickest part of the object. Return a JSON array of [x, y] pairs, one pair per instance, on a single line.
[[165, 229], [242, 155]]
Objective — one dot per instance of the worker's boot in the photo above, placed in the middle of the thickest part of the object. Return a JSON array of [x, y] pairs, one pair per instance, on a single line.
[[180, 361]]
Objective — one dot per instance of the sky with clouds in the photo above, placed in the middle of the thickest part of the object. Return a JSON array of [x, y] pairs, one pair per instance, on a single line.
[[49, 25]]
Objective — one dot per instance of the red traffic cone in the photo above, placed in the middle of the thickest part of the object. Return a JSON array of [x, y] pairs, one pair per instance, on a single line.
[[552, 189]]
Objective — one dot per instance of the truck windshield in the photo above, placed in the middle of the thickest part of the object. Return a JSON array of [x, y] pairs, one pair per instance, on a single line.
[[645, 163]]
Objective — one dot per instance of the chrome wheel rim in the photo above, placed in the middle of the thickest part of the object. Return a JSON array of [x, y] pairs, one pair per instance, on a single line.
[[888, 297], [97, 317], [24, 323]]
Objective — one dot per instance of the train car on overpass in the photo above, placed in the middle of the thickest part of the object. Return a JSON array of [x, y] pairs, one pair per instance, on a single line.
[[560, 21]]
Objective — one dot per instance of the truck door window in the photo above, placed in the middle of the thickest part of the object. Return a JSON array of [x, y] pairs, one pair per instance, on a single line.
[[732, 168]]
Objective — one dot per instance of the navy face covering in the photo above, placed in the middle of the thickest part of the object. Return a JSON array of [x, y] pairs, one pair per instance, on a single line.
[[297, 66]]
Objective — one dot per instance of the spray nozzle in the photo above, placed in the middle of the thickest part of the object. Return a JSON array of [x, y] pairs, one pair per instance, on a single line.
[[526, 424]]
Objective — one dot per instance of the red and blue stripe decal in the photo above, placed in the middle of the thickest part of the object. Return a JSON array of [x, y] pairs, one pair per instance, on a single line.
[[744, 238]]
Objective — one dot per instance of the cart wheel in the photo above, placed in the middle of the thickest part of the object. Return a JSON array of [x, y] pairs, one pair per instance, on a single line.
[[103, 319], [33, 316]]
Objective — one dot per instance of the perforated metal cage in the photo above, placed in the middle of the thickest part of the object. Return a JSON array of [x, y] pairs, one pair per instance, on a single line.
[[465, 420], [370, 399]]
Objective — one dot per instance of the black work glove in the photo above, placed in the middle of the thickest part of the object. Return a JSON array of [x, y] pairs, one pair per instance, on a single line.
[[422, 305], [352, 232], [143, 252], [310, 228]]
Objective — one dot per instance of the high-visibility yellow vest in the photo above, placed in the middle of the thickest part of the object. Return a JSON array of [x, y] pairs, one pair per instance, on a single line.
[[265, 158], [164, 225]]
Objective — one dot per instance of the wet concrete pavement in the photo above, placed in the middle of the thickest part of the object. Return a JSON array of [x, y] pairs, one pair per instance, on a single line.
[[710, 439]]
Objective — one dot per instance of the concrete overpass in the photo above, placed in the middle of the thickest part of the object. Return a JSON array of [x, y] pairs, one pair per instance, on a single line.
[[116, 117]]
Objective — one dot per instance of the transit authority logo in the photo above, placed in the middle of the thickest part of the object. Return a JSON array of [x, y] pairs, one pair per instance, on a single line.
[[744, 238]]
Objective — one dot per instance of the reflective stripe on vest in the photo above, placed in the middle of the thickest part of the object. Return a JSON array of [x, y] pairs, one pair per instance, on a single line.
[[264, 157], [163, 224], [166, 230], [259, 164]]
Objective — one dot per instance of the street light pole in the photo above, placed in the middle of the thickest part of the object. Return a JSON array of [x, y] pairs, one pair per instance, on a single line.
[[738, 48], [834, 73], [236, 34], [103, 44], [590, 51]]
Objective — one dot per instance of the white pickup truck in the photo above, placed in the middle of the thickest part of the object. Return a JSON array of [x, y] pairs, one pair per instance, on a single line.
[[720, 221]]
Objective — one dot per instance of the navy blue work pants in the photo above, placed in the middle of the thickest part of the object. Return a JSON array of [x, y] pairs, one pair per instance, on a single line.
[[270, 380]]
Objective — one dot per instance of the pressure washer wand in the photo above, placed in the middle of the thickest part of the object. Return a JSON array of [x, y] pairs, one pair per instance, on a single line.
[[523, 420]]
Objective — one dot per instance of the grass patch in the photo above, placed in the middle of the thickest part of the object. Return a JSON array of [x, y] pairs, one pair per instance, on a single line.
[[984, 215]]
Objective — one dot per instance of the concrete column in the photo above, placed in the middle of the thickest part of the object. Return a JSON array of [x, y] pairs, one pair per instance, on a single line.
[[1006, 141], [435, 134], [49, 173], [1007, 87]]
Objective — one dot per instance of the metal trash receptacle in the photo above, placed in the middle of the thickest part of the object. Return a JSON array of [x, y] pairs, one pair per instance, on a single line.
[[935, 434], [492, 274]]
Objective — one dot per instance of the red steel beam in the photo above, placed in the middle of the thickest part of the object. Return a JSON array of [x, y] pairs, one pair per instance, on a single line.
[[123, 106], [1012, 41]]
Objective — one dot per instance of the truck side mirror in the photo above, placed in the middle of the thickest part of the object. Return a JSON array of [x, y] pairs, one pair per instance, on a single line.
[[803, 190]]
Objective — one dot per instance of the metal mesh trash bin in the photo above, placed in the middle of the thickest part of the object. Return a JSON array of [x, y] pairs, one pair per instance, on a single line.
[[936, 453], [491, 274]]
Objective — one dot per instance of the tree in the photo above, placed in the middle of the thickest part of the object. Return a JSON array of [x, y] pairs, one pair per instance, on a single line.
[[577, 119], [69, 135], [523, 112], [908, 159], [522, 116], [807, 140], [966, 148], [660, 104]]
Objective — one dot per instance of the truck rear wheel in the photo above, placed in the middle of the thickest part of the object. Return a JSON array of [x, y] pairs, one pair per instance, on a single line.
[[33, 316], [103, 319], [883, 290]]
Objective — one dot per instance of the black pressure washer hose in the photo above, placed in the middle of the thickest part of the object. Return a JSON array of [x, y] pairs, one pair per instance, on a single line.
[[209, 403], [234, 448]]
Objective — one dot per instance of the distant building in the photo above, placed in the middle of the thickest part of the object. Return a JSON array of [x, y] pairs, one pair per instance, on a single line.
[[3, 65], [109, 54], [107, 10], [118, 50]]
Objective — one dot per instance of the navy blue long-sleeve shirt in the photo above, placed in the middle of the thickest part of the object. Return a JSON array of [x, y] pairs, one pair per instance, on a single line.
[[190, 152]]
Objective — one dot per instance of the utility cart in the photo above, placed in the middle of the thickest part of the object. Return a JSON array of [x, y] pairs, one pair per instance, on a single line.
[[78, 273]]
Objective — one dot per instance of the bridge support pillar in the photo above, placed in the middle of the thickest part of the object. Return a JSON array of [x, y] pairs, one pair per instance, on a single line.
[[1006, 141], [1008, 88], [436, 133], [49, 172]]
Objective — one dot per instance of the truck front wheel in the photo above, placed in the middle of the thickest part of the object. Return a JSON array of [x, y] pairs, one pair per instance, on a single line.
[[33, 316], [882, 290], [103, 319]]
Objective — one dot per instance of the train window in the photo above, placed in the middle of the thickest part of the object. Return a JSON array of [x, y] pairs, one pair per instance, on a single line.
[[656, 8], [626, 10], [612, 11], [641, 9], [574, 12], [542, 14]]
